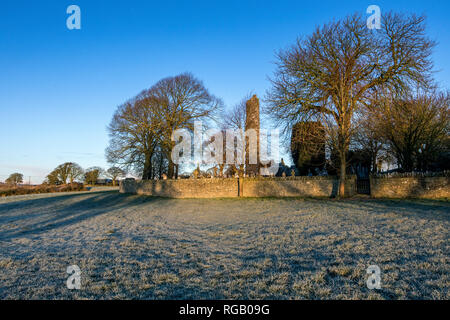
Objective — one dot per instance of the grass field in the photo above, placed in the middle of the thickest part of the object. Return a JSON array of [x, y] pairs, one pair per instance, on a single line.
[[137, 247]]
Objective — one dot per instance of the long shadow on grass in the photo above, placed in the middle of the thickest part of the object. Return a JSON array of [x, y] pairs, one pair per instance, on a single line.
[[424, 209], [42, 215]]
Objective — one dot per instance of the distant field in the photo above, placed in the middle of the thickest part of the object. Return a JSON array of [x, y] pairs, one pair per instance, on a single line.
[[130, 246], [11, 190]]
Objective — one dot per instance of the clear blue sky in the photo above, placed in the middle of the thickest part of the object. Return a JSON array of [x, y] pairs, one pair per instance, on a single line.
[[59, 88]]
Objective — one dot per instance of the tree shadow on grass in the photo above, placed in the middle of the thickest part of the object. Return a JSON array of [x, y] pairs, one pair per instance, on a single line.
[[45, 214], [423, 209]]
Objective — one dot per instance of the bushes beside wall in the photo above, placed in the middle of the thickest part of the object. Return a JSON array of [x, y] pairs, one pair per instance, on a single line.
[[246, 187]]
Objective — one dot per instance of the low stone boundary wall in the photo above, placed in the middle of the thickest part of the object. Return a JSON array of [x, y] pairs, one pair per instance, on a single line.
[[243, 187], [410, 187], [183, 188], [298, 187]]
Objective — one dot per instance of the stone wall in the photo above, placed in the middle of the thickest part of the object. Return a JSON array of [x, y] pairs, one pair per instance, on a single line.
[[393, 187], [298, 187], [183, 188], [410, 187], [230, 188]]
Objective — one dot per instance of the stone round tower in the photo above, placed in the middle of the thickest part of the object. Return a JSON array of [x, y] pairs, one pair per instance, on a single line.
[[252, 122]]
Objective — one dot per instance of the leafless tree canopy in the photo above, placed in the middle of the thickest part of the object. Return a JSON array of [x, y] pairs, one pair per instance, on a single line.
[[234, 119], [64, 173], [368, 139], [308, 143], [330, 74], [141, 129], [133, 135], [114, 173], [415, 127]]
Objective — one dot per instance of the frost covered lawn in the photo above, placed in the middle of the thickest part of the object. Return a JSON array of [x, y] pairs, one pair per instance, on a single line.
[[137, 247]]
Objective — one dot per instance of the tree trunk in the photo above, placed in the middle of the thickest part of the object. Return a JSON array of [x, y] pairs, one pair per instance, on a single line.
[[147, 174], [374, 164], [171, 169], [408, 165], [342, 174], [408, 159], [160, 167]]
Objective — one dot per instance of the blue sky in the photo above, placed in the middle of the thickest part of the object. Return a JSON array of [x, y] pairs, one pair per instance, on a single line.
[[60, 87]]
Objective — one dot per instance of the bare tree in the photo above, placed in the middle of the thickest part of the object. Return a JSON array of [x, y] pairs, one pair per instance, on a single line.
[[15, 178], [144, 126], [369, 138], [53, 178], [92, 175], [114, 173], [75, 171], [182, 100], [416, 127], [160, 163], [308, 147], [134, 134], [335, 71], [68, 171], [234, 119]]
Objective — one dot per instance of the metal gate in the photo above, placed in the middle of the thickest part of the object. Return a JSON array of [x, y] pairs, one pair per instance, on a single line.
[[363, 186]]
